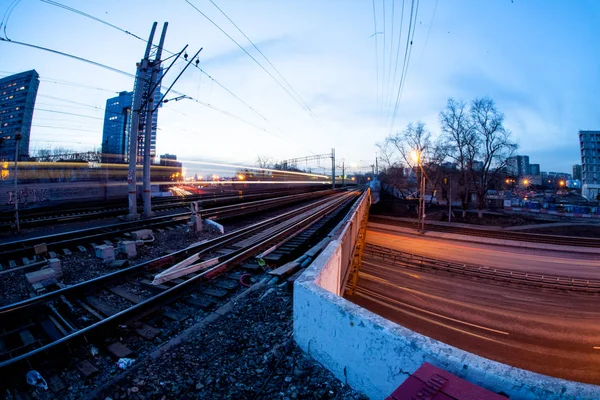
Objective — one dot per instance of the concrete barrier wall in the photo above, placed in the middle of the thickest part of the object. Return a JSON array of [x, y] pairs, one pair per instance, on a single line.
[[333, 278], [374, 355]]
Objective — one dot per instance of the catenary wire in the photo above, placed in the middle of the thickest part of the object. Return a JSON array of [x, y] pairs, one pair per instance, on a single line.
[[252, 57], [261, 53]]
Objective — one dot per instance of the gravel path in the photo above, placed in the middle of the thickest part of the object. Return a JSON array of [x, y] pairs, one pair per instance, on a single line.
[[249, 353]]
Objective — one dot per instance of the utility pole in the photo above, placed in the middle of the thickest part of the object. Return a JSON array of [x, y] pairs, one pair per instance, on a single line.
[[18, 141], [422, 204], [343, 174], [148, 128], [450, 204], [333, 168], [140, 80]]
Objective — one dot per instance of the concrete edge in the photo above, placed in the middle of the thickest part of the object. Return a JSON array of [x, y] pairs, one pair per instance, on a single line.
[[374, 355]]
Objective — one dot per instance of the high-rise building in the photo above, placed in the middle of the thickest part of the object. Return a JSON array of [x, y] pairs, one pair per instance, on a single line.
[[577, 171], [115, 135], [589, 142], [518, 166], [534, 169], [17, 100]]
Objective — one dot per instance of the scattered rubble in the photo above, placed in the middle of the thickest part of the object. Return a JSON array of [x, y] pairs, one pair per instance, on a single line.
[[249, 353]]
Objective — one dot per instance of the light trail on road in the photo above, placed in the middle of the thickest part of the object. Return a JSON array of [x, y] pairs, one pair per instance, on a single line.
[[575, 265], [548, 331]]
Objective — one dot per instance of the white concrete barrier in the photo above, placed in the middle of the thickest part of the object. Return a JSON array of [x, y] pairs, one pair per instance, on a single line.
[[374, 355]]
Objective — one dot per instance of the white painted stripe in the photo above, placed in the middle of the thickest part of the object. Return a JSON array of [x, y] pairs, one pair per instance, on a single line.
[[431, 312], [429, 320]]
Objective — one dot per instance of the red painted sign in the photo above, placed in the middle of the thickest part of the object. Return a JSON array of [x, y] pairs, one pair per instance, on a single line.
[[432, 383]]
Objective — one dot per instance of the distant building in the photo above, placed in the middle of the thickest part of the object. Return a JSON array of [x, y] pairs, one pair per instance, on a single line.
[[169, 160], [534, 169], [518, 166], [115, 135], [17, 100], [477, 165], [577, 171], [589, 142]]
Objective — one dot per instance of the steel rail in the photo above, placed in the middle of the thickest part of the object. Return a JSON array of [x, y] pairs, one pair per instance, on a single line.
[[138, 310], [150, 265], [24, 247], [420, 262], [37, 217], [504, 235]]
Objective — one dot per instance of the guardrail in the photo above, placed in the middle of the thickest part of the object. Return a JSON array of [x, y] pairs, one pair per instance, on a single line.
[[346, 234], [419, 262]]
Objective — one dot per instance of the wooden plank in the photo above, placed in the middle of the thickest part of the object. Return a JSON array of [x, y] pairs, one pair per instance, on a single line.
[[90, 310], [227, 285], [218, 293], [132, 297], [86, 368], [26, 337], [175, 316], [101, 306], [119, 350], [285, 270], [151, 286], [146, 331], [200, 302]]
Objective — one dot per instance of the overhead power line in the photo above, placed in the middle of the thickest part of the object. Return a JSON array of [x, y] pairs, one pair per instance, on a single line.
[[261, 53], [407, 52], [376, 56], [81, 13], [383, 80], [68, 55], [281, 135], [397, 54], [76, 11], [300, 103], [131, 76]]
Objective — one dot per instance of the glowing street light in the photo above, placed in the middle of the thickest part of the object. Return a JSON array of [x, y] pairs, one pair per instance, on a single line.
[[241, 177], [416, 156], [561, 183], [525, 182]]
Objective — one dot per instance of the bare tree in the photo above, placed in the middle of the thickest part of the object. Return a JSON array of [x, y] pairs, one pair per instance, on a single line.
[[494, 145], [459, 144], [415, 139], [263, 161]]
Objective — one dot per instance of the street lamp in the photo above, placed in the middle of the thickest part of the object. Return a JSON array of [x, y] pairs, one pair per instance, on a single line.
[[416, 155]]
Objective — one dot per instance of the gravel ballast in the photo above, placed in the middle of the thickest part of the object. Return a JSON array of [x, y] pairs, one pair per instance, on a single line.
[[249, 353]]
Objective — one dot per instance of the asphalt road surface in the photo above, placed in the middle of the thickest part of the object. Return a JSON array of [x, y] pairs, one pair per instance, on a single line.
[[552, 332], [571, 264]]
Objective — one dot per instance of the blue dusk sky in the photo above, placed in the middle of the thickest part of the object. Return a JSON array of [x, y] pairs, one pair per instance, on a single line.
[[539, 60]]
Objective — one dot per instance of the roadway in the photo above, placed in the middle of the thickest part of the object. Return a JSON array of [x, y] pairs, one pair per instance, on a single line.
[[543, 330], [571, 264]]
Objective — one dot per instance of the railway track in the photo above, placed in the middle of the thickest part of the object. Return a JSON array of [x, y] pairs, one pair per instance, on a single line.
[[33, 330], [22, 253], [39, 217], [512, 235], [424, 263]]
